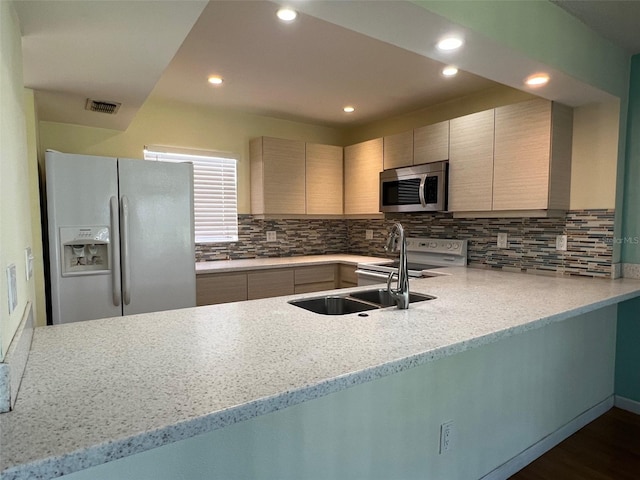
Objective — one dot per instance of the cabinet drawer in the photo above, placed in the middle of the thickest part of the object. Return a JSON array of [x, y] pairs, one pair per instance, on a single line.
[[315, 287], [221, 288], [270, 283], [321, 273]]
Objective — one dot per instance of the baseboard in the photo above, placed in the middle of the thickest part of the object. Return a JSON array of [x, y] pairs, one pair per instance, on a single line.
[[536, 450], [627, 404]]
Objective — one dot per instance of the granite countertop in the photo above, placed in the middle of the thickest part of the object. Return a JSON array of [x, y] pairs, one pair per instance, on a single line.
[[103, 389], [222, 266]]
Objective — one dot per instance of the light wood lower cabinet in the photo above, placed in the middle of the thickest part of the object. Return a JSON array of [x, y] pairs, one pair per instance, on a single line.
[[347, 276], [315, 278], [212, 288], [220, 288], [270, 283]]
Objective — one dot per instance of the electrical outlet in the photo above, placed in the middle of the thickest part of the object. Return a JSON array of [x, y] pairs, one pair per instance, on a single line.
[[446, 436], [368, 234], [502, 240], [561, 243], [271, 236]]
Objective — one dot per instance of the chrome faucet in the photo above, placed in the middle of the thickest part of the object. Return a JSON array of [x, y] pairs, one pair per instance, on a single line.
[[401, 293]]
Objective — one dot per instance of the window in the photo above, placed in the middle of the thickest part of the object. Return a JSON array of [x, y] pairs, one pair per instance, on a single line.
[[215, 198]]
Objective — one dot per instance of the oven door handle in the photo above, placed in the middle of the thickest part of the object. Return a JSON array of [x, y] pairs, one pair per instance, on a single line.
[[372, 275], [423, 201]]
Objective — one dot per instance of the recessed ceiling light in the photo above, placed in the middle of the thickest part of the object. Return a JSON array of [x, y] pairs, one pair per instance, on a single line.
[[450, 43], [537, 80], [215, 80], [287, 14], [449, 71], [349, 109]]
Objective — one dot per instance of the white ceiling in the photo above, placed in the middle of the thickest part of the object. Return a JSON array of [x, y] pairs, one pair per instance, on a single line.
[[307, 71]]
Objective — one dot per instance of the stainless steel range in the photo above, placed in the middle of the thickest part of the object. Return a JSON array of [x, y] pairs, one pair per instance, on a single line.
[[424, 257]]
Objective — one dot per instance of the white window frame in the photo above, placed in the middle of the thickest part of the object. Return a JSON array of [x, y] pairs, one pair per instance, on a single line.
[[215, 190]]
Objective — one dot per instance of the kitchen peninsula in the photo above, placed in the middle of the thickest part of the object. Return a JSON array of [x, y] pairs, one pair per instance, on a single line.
[[263, 389]]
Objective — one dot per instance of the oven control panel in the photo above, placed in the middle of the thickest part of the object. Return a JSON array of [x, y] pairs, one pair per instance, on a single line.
[[437, 245]]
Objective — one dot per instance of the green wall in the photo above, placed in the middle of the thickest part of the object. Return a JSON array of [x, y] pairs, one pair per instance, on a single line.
[[631, 206], [502, 397], [628, 348]]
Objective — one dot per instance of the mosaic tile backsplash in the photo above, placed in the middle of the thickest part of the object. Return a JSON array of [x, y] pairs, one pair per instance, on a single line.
[[531, 241]]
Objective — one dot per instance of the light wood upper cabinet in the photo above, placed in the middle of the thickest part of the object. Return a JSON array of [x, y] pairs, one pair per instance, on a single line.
[[471, 162], [398, 150], [277, 176], [532, 158], [324, 179], [431, 143], [362, 167], [515, 158]]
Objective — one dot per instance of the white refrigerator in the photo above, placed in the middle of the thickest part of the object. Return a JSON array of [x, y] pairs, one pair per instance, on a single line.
[[121, 238]]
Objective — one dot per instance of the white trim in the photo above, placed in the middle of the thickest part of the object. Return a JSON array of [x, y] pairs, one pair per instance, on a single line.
[[536, 450], [627, 404], [191, 151]]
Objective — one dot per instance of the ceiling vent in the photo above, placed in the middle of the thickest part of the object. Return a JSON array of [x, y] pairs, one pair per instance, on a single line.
[[110, 108]]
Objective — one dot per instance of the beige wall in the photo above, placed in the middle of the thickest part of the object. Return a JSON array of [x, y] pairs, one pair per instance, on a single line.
[[477, 102], [595, 155], [15, 205], [30, 112], [173, 124], [167, 123]]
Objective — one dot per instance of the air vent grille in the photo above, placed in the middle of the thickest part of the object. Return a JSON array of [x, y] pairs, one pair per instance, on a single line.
[[101, 106]]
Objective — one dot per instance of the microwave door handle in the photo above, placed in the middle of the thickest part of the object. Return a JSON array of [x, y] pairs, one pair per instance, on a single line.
[[423, 202]]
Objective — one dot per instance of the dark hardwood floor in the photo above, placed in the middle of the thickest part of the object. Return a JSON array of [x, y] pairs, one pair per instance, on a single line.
[[606, 449]]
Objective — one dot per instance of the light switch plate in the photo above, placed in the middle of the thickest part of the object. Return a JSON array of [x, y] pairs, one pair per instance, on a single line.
[[502, 240], [12, 287], [368, 234], [271, 236], [28, 262]]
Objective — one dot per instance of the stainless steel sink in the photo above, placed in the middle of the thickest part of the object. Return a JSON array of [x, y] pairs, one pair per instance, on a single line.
[[381, 296], [354, 302], [333, 305]]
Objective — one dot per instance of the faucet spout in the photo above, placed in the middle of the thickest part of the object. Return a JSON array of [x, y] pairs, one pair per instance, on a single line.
[[401, 292]]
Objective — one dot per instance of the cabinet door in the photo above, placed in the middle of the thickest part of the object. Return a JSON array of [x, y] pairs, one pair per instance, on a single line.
[[471, 162], [398, 150], [431, 143], [220, 288], [348, 276], [362, 167], [277, 176], [315, 278], [521, 158], [324, 184], [269, 283]]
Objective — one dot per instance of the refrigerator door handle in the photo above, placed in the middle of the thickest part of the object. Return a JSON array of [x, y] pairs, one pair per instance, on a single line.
[[126, 277], [115, 248]]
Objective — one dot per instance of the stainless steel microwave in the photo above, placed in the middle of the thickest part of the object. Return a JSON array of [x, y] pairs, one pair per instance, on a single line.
[[421, 188]]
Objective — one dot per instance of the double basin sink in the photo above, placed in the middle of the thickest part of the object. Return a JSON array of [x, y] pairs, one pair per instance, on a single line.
[[354, 302]]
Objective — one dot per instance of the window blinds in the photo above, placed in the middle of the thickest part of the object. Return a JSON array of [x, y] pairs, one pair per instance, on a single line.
[[215, 196]]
